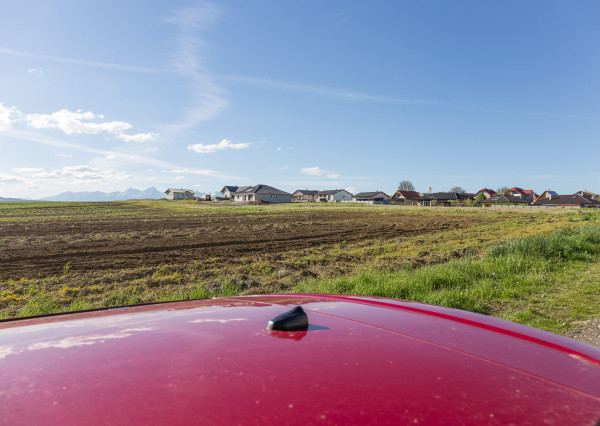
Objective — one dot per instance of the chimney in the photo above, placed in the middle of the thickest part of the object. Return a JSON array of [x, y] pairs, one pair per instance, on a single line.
[[430, 189], [549, 195]]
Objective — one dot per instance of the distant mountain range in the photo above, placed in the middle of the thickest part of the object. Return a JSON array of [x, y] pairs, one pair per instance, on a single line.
[[129, 194], [12, 199]]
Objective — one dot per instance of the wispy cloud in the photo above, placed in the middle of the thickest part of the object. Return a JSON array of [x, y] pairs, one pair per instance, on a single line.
[[201, 172], [72, 174], [187, 61], [113, 155], [8, 115], [317, 171], [355, 96], [75, 123], [7, 179], [36, 72], [167, 167], [34, 177], [327, 91], [79, 122], [139, 137], [314, 171], [83, 62], [224, 144]]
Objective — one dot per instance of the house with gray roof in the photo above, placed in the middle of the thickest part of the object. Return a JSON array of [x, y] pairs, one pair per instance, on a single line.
[[441, 198], [503, 200], [264, 193], [574, 201], [227, 190], [371, 197]]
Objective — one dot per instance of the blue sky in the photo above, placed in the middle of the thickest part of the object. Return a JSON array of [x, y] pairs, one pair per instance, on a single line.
[[320, 95]]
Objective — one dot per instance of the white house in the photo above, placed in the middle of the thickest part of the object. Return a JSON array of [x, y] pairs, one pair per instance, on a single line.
[[333, 196], [228, 190], [264, 193], [179, 193]]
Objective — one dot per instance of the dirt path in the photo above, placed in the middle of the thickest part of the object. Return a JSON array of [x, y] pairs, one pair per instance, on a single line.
[[587, 332]]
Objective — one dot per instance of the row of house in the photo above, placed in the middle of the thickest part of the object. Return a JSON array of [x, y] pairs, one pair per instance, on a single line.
[[486, 197]]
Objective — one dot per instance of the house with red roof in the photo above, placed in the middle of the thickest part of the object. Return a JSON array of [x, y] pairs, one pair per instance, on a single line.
[[487, 193], [405, 197], [525, 194]]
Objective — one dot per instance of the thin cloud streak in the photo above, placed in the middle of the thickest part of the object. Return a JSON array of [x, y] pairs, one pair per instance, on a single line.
[[113, 155], [96, 64], [187, 61], [364, 97], [327, 91]]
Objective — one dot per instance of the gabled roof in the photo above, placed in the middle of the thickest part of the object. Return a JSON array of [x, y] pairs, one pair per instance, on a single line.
[[550, 192], [179, 190], [489, 191], [332, 191], [307, 191], [587, 194], [443, 196], [241, 189], [409, 195], [565, 200], [503, 199], [448, 196], [425, 197], [369, 194], [260, 189], [229, 188], [519, 190]]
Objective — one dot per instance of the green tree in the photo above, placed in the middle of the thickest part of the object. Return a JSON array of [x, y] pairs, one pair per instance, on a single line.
[[406, 185]]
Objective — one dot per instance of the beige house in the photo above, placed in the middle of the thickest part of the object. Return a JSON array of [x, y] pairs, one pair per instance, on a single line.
[[547, 194], [587, 194], [179, 194], [304, 195], [333, 196]]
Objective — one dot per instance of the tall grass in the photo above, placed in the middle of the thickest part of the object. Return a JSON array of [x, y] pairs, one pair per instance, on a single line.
[[509, 272]]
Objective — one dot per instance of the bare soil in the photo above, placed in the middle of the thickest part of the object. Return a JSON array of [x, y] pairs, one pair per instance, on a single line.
[[43, 245]]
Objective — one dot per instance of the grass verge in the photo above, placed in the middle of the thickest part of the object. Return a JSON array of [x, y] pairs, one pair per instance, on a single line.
[[545, 281]]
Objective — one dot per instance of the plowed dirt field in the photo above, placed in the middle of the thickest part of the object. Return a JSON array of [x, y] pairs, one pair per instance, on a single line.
[[131, 236]]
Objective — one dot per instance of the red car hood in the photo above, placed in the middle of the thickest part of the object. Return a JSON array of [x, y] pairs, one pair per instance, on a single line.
[[362, 360]]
